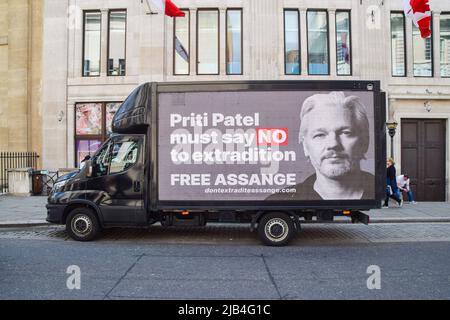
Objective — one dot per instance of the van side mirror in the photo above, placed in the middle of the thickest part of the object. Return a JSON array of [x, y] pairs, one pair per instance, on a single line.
[[89, 169]]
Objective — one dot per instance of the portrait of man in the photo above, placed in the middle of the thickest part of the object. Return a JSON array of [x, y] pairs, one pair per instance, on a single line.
[[334, 133]]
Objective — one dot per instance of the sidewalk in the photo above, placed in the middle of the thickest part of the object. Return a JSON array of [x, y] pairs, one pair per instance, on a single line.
[[22, 211], [30, 211]]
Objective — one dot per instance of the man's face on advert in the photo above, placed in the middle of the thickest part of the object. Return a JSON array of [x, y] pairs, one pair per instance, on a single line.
[[332, 142]]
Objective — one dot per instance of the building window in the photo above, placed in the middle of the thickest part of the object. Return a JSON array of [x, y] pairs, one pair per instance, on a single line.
[[117, 42], [234, 41], [110, 110], [398, 45], [422, 54], [291, 42], [445, 44], [343, 43], [208, 41], [318, 57], [93, 123], [181, 44], [91, 43]]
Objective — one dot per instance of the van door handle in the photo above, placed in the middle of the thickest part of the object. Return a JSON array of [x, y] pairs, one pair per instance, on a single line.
[[137, 186]]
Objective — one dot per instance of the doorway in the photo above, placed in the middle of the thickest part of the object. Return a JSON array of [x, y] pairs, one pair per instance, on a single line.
[[423, 157]]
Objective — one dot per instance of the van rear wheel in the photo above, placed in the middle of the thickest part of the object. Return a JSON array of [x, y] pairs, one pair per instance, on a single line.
[[276, 229], [82, 225]]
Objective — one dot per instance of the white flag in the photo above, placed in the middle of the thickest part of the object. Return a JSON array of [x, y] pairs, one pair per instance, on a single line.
[[181, 50]]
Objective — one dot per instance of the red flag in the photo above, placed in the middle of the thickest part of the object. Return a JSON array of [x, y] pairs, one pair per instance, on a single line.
[[168, 7], [420, 13]]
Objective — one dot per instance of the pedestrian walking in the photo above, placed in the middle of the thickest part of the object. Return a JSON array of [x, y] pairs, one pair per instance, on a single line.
[[391, 184]]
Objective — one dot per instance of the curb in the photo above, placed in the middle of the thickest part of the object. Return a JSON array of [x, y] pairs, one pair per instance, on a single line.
[[24, 224], [410, 220], [376, 220]]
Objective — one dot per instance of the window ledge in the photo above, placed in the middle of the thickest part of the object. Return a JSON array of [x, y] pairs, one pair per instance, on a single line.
[[103, 80], [418, 81]]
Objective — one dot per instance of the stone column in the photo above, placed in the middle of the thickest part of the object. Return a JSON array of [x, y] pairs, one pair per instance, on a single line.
[[303, 42], [332, 41], [168, 48], [17, 122], [193, 39], [70, 116], [355, 51], [54, 84], [104, 43], [264, 40], [35, 79], [436, 28], [409, 49], [222, 41]]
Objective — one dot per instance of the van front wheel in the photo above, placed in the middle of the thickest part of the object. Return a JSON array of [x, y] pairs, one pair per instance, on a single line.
[[276, 229], [82, 224]]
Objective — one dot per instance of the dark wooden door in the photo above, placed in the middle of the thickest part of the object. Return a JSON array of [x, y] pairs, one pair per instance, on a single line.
[[423, 157]]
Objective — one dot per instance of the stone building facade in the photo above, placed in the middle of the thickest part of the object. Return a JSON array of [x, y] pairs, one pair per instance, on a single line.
[[80, 72], [21, 39]]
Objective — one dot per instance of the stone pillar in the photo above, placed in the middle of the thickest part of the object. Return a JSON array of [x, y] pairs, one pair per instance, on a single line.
[[372, 41], [104, 44], [168, 48], [409, 48], [19, 182], [303, 41], [355, 51], [436, 29], [54, 84], [332, 41], [193, 39], [17, 76], [70, 115], [222, 41], [265, 49], [35, 79]]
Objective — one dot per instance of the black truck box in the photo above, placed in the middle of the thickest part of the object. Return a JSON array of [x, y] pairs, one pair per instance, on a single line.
[[259, 145]]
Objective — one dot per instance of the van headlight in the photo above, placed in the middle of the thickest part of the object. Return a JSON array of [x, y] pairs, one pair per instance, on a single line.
[[60, 184]]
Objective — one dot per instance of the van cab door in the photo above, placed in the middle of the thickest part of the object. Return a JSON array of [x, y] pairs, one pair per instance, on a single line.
[[117, 180]]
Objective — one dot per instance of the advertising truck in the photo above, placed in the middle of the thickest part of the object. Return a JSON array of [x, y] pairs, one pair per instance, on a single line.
[[273, 154]]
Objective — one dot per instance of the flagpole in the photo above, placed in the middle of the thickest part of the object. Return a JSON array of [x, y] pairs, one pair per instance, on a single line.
[[167, 8], [165, 50]]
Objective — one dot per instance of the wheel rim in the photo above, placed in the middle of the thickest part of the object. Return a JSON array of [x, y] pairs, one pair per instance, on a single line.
[[276, 230], [81, 225]]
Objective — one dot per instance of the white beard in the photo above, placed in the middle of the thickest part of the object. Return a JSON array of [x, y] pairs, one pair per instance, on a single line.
[[333, 171]]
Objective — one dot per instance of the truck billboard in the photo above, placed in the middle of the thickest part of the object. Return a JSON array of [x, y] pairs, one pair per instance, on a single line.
[[266, 146]]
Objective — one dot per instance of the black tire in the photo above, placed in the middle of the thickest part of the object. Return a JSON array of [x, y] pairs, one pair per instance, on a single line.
[[82, 225], [276, 229]]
